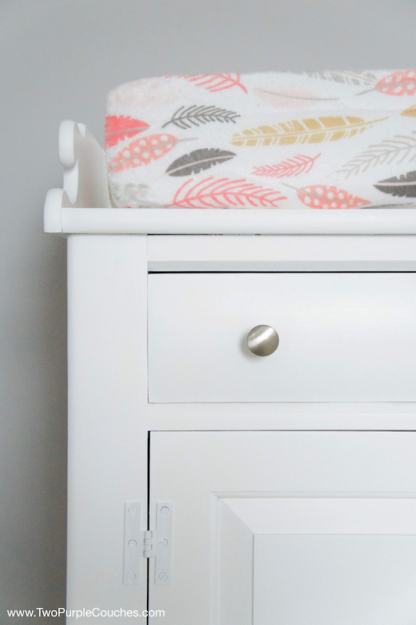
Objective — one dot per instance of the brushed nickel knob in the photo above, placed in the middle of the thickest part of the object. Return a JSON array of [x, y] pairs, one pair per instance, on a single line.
[[263, 340]]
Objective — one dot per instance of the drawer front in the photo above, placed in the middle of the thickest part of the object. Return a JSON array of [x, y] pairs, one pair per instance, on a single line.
[[344, 337]]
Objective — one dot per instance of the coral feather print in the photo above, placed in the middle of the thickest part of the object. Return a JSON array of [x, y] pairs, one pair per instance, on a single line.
[[222, 193], [216, 82], [295, 166], [397, 84], [143, 151], [119, 127], [321, 196], [326, 139]]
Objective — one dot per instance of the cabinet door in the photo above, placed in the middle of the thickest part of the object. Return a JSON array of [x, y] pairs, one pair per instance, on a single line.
[[287, 528]]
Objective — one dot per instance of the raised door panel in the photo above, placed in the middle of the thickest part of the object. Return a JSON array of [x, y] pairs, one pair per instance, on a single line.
[[285, 527], [348, 580], [344, 337]]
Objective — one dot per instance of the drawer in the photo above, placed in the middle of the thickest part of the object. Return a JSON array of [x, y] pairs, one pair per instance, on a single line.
[[344, 337]]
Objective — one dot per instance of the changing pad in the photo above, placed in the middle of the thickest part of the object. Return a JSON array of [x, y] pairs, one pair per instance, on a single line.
[[327, 139]]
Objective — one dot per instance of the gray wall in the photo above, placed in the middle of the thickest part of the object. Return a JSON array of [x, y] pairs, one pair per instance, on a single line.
[[58, 60]]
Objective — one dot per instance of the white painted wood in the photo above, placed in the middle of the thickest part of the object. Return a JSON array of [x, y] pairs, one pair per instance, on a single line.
[[55, 200], [235, 567], [282, 416], [281, 253], [85, 175], [238, 221], [85, 171], [336, 514], [347, 337], [107, 437], [365, 580], [317, 416], [316, 517], [300, 551]]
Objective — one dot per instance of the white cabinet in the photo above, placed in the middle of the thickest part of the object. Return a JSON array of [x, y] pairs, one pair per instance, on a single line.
[[288, 527], [292, 477], [293, 489]]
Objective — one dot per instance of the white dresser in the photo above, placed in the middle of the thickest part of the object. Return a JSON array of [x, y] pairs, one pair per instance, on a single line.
[[214, 484]]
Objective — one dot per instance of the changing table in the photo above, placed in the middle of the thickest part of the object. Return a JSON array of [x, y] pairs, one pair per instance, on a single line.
[[242, 408]]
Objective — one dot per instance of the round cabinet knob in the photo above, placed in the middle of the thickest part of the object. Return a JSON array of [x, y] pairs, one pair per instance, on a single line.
[[263, 340]]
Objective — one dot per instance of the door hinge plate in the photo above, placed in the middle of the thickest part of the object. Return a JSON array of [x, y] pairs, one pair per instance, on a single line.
[[140, 543]]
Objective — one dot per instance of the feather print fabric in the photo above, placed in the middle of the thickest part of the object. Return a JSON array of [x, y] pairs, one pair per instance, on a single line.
[[332, 139]]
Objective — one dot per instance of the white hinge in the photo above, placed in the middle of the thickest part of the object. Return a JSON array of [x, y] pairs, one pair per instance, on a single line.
[[140, 543]]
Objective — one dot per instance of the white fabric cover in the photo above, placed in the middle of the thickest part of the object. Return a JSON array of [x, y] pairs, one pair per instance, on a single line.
[[329, 139]]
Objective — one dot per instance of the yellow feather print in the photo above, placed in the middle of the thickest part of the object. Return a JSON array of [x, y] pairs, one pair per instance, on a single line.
[[304, 131], [410, 112]]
